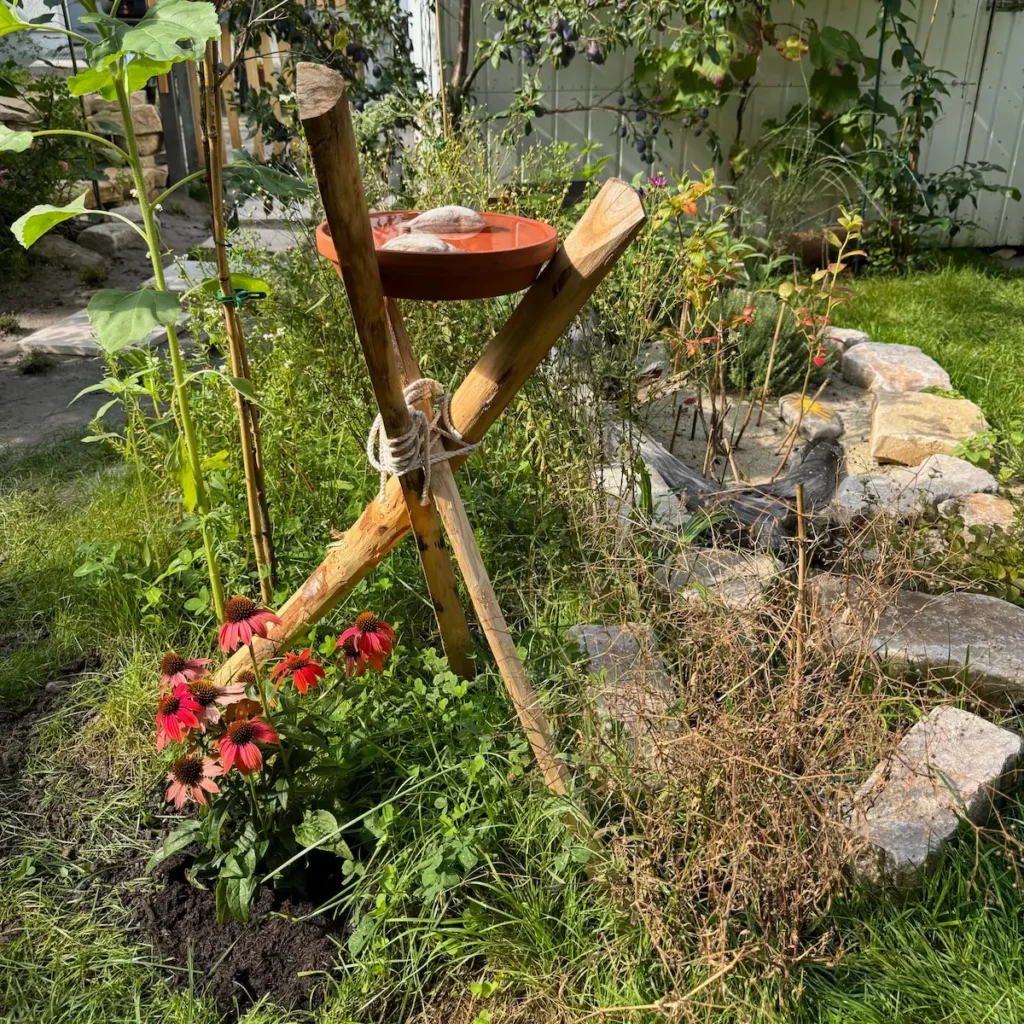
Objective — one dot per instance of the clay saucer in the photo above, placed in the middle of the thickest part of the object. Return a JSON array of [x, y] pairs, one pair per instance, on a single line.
[[504, 257]]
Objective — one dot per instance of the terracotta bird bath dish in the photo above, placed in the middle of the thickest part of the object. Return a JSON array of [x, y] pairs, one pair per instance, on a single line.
[[502, 257]]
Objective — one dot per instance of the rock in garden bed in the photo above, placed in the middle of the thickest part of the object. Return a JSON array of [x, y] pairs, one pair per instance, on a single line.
[[734, 579], [981, 510], [909, 491], [635, 689], [907, 428], [955, 635], [878, 367], [819, 421], [950, 766]]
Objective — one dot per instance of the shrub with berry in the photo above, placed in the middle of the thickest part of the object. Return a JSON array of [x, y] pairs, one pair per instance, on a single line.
[[257, 754]]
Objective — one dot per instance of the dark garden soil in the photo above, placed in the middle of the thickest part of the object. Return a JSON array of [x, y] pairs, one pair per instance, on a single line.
[[276, 954]]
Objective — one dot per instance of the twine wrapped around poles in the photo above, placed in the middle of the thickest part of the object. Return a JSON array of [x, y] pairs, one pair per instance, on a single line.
[[412, 450]]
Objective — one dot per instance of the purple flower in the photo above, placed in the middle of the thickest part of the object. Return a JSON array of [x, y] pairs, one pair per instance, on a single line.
[[657, 181]]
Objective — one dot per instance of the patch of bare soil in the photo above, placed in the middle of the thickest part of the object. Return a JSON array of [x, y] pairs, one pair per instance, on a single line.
[[280, 953]]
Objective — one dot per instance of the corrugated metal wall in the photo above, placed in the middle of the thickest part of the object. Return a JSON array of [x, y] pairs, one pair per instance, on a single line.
[[982, 120]]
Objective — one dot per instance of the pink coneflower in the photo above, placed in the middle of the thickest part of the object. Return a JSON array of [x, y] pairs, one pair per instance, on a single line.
[[175, 669], [305, 670], [355, 663], [208, 695], [238, 744], [243, 619], [373, 638], [191, 776], [176, 713]]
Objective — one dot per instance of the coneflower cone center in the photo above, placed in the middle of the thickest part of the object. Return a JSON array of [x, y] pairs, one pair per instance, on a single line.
[[188, 770], [169, 705], [204, 693], [241, 733], [367, 623], [238, 609], [349, 648], [171, 664], [246, 678]]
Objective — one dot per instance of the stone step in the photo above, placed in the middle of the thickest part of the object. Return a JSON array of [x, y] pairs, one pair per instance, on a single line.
[[958, 636], [73, 336], [634, 688], [907, 428], [950, 766], [879, 367], [910, 491]]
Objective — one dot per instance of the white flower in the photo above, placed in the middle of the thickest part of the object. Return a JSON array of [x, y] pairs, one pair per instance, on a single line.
[[134, 193], [158, 207], [282, 330]]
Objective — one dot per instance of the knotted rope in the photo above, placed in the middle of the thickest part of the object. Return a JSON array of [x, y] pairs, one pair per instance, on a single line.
[[412, 450]]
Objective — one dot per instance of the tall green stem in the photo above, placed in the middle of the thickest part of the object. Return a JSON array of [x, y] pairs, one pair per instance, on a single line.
[[177, 363]]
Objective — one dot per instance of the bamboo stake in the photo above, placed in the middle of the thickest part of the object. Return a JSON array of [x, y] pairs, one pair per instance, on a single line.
[[592, 248], [248, 414], [228, 90], [478, 583], [324, 112]]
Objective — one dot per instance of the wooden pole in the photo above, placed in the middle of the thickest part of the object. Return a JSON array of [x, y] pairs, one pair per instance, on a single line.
[[195, 101], [252, 78], [478, 583], [324, 112], [593, 247], [252, 460], [228, 90]]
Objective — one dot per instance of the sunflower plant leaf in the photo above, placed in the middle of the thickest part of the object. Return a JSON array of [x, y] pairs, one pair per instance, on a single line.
[[121, 317], [9, 21], [173, 30], [31, 226], [12, 141]]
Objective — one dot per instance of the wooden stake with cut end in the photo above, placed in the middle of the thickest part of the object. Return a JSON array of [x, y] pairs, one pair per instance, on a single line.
[[592, 248], [248, 413], [324, 112], [478, 583]]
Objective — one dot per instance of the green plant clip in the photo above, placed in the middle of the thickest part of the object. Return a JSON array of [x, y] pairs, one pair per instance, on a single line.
[[241, 296]]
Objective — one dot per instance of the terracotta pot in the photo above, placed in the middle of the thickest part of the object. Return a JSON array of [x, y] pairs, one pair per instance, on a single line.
[[504, 257]]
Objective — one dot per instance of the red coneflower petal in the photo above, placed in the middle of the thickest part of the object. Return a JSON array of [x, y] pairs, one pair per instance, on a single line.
[[250, 756], [264, 733], [228, 752]]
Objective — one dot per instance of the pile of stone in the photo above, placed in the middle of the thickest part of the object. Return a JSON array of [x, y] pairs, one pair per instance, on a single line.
[[104, 118]]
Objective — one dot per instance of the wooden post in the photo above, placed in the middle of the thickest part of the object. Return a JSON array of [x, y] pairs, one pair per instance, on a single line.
[[228, 91], [478, 583], [248, 413], [593, 247], [324, 112], [195, 100], [252, 78]]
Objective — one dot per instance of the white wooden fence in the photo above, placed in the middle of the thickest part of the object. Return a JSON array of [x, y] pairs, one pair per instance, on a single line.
[[983, 117]]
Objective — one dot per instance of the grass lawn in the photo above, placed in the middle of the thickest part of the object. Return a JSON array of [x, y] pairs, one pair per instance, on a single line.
[[967, 313]]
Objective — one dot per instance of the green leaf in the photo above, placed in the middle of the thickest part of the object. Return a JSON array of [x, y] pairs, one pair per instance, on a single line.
[[246, 176], [99, 80], [834, 93], [244, 387], [320, 829], [211, 285], [10, 22], [14, 142], [187, 832], [31, 226], [121, 317], [829, 45], [173, 30]]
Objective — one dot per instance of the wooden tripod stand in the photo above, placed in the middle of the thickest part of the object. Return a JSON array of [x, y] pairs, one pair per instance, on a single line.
[[567, 282]]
